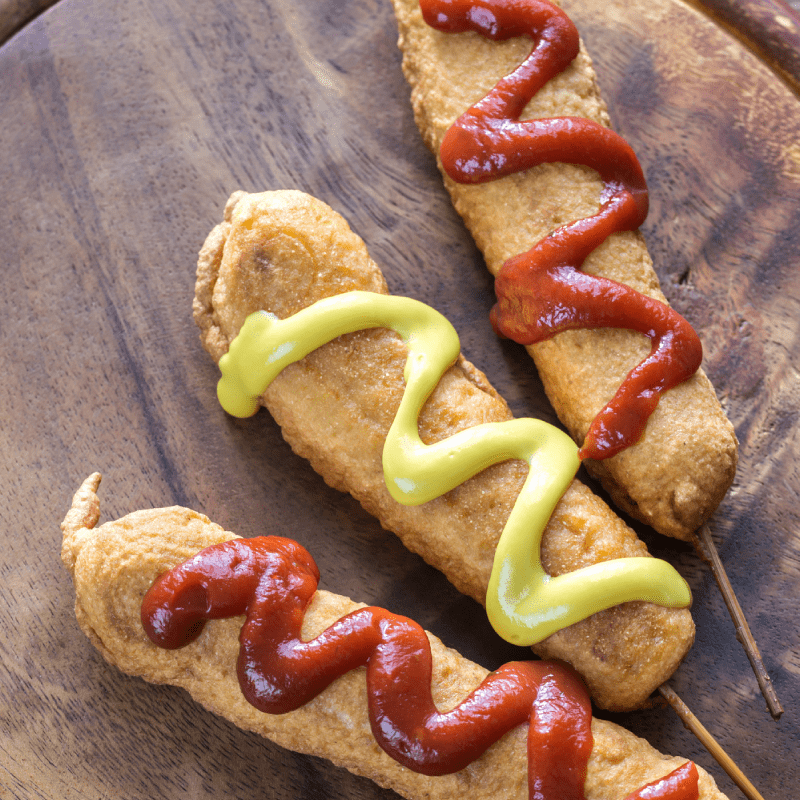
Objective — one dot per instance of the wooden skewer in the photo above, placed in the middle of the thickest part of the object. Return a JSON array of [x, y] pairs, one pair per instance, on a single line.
[[694, 725], [707, 550]]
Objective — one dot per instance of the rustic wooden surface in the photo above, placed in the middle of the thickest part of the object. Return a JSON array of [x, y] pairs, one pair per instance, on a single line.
[[15, 14], [125, 127]]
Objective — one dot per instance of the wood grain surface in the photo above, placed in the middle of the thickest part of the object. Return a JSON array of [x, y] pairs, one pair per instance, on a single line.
[[125, 126]]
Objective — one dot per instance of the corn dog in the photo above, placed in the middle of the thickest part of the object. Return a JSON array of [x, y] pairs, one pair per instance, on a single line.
[[282, 251], [115, 568], [680, 469]]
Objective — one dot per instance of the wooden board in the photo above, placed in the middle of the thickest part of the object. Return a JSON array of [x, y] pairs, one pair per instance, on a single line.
[[124, 128]]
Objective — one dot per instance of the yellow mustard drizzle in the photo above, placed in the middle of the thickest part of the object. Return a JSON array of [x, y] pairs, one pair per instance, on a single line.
[[524, 603]]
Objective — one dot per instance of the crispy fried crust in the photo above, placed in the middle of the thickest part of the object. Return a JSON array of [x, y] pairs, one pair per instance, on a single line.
[[114, 565], [282, 251], [680, 470]]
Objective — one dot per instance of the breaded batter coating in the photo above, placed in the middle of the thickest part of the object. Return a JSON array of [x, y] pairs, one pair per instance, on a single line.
[[679, 471], [115, 564], [281, 252]]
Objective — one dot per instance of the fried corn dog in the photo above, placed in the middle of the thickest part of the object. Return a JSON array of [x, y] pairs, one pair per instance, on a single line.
[[115, 564], [282, 251], [680, 469]]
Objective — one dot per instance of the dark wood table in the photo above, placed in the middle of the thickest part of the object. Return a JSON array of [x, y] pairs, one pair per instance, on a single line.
[[124, 128]]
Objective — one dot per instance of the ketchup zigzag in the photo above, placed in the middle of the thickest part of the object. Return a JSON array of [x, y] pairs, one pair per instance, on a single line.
[[272, 580], [543, 292]]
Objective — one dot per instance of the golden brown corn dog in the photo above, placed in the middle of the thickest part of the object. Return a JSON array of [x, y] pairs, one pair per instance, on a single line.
[[681, 468], [114, 565], [282, 251]]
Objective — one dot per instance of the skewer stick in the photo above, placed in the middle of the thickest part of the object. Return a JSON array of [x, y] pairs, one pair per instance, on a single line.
[[707, 550], [694, 725]]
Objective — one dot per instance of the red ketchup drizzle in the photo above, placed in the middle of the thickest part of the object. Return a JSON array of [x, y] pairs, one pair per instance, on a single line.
[[271, 580], [680, 784], [543, 292]]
